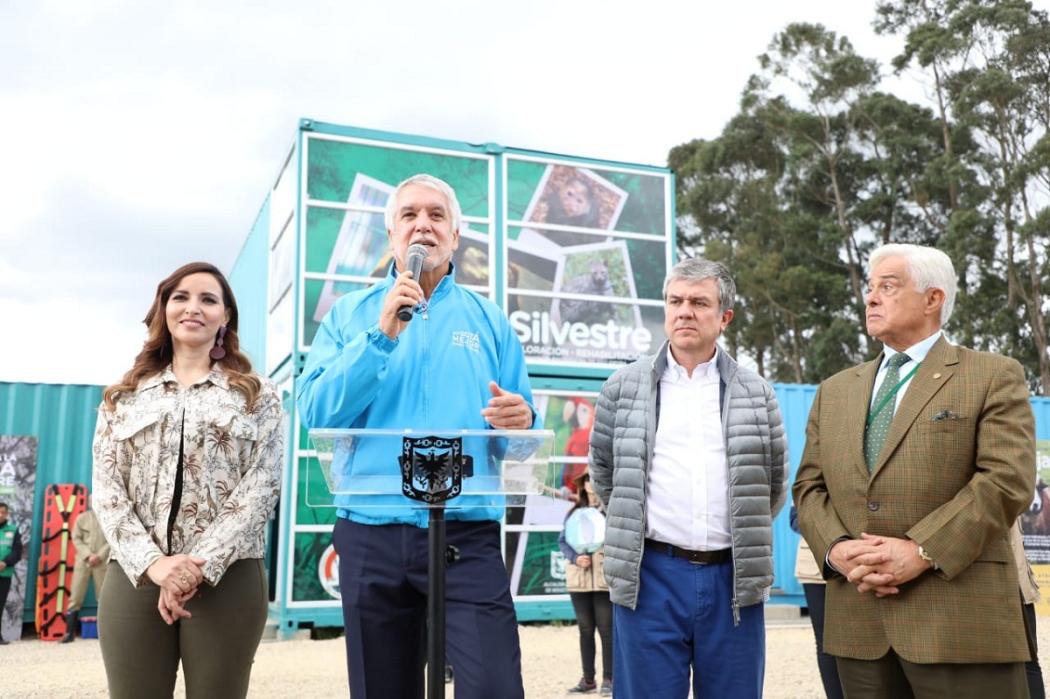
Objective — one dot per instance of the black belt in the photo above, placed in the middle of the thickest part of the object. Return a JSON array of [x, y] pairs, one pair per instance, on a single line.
[[701, 557]]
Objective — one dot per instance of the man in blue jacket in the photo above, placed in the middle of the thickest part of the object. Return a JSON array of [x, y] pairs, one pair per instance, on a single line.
[[456, 365]]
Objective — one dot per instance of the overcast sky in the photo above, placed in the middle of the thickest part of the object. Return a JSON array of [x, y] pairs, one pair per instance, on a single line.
[[141, 135]]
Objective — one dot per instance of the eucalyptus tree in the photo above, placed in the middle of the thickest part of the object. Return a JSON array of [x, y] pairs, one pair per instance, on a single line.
[[990, 65]]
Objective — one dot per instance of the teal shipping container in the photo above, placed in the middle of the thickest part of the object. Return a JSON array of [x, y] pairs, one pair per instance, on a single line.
[[62, 420]]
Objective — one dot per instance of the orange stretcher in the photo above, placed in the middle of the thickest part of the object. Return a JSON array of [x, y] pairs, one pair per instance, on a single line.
[[63, 503]]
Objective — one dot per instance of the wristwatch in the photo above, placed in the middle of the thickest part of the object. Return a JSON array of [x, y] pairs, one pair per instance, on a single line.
[[926, 557]]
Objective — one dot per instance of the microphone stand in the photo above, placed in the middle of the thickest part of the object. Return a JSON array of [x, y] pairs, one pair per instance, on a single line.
[[436, 473], [436, 602]]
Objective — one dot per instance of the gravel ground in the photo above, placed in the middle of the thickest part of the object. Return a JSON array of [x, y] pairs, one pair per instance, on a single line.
[[308, 668]]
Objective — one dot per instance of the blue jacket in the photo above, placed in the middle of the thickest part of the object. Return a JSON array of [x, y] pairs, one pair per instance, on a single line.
[[434, 376]]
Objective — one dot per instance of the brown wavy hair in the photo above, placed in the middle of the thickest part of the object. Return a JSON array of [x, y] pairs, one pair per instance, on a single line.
[[582, 499], [157, 350]]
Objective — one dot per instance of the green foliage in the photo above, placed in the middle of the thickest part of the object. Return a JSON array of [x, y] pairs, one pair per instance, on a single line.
[[819, 166]]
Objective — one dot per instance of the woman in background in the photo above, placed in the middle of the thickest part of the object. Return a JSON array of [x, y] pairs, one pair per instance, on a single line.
[[187, 462], [1029, 597], [814, 587], [585, 580]]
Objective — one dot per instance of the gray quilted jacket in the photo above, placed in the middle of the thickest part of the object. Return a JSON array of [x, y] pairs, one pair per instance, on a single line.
[[622, 449]]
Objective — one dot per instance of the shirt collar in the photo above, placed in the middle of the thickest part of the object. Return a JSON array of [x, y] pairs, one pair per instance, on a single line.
[[677, 371], [216, 376], [916, 353]]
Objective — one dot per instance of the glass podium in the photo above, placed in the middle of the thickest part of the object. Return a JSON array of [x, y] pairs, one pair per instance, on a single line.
[[423, 474]]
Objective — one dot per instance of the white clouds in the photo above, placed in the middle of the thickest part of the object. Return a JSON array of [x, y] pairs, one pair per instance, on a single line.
[[12, 278], [67, 340], [141, 135]]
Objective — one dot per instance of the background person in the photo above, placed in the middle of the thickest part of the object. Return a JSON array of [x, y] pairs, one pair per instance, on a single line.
[[813, 586], [188, 453], [585, 581], [1029, 597], [92, 559], [10, 555]]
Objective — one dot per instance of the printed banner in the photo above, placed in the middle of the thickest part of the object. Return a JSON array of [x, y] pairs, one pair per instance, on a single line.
[[280, 322], [1042, 579], [535, 564], [1035, 522], [587, 252], [17, 486], [571, 416], [315, 575], [314, 504]]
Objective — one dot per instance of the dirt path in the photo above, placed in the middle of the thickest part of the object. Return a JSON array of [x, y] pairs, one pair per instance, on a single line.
[[317, 668]]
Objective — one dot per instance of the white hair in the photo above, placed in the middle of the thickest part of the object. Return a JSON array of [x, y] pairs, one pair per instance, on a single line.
[[426, 181], [928, 267]]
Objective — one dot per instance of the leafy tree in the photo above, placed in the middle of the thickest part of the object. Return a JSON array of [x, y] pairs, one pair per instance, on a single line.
[[819, 166], [990, 62]]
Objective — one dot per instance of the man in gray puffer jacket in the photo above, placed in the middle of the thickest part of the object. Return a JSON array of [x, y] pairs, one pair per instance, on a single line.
[[688, 455]]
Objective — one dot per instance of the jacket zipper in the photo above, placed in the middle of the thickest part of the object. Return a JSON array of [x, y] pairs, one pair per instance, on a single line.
[[729, 500], [654, 386], [425, 307], [426, 361]]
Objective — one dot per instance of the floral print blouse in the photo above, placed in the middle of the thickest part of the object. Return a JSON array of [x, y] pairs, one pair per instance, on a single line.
[[231, 478]]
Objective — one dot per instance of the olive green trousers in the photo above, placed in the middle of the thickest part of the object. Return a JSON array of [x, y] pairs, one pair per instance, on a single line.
[[216, 647]]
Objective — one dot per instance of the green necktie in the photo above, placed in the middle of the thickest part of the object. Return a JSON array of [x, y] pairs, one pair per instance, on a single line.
[[879, 426]]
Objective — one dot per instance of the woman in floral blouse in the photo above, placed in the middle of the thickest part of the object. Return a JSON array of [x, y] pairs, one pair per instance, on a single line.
[[187, 464]]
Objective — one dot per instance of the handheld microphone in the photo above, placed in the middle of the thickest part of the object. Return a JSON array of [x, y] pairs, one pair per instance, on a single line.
[[414, 257]]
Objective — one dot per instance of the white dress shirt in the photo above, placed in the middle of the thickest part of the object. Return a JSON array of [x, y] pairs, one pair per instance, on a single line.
[[688, 500], [916, 353]]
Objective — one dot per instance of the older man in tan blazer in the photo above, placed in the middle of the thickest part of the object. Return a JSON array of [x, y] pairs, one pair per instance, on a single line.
[[916, 466]]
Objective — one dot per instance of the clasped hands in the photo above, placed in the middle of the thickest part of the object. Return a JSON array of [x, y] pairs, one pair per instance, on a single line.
[[178, 578], [878, 564]]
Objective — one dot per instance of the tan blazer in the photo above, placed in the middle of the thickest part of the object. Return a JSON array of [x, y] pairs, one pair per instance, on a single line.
[[957, 469]]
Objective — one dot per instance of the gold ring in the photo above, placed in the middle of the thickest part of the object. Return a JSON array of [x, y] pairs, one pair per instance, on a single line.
[[183, 578]]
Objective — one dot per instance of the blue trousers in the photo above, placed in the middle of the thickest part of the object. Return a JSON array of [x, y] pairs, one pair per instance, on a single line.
[[684, 619], [383, 582]]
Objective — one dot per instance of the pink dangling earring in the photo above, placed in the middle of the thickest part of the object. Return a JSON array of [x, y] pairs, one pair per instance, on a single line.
[[218, 351]]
